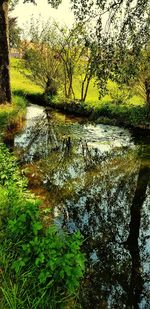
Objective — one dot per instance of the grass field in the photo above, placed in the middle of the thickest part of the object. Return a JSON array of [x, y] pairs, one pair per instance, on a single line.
[[19, 82]]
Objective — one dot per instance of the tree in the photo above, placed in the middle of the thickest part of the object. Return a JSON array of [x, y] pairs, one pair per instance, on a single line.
[[58, 57], [75, 57], [41, 57], [14, 32], [5, 89], [78, 52], [133, 69], [122, 27], [69, 50], [5, 92], [142, 76]]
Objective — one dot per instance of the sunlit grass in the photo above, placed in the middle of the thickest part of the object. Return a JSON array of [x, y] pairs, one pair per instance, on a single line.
[[19, 81], [21, 85], [115, 94], [92, 94], [12, 113], [136, 100]]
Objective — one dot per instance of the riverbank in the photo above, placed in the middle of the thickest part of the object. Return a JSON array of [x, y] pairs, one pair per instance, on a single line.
[[113, 114], [116, 108], [129, 116], [11, 115], [32, 254], [26, 275]]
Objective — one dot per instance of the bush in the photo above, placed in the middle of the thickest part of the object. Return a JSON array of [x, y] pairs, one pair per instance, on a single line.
[[41, 267], [118, 94]]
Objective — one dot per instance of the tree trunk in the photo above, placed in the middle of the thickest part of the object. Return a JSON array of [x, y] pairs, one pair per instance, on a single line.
[[65, 83], [70, 89], [82, 90], [85, 87], [136, 283], [5, 90], [147, 89]]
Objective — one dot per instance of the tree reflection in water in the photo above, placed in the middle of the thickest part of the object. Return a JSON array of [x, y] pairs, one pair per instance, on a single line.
[[102, 194]]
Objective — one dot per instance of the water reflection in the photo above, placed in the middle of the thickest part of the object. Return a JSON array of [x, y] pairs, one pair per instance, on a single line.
[[98, 181], [136, 282]]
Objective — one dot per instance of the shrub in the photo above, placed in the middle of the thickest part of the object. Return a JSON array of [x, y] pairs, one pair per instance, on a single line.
[[11, 114], [119, 95], [41, 267]]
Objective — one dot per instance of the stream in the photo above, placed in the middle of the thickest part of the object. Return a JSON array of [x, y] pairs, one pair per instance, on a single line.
[[95, 178]]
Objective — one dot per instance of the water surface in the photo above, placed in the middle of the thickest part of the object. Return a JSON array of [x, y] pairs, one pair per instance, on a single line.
[[96, 179]]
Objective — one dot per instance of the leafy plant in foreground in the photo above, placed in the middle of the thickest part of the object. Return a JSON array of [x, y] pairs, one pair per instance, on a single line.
[[41, 267]]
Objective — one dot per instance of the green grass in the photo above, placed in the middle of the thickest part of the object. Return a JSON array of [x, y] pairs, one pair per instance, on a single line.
[[119, 106], [115, 94], [20, 82], [40, 266], [12, 113], [92, 95], [21, 86]]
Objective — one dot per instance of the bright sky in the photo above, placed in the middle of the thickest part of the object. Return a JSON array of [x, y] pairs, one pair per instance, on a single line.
[[24, 12]]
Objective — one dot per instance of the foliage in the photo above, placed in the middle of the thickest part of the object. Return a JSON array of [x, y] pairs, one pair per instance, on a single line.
[[41, 57], [56, 56], [118, 107], [142, 74], [122, 32], [123, 114], [133, 70], [130, 10], [14, 32], [12, 4], [77, 59], [53, 3], [119, 94], [40, 266]]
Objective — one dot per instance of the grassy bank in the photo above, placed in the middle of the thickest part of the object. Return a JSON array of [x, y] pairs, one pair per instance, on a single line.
[[21, 81], [12, 113], [40, 267], [21, 87], [107, 113], [117, 107]]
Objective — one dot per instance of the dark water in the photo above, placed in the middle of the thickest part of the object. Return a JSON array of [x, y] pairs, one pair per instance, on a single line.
[[98, 180]]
